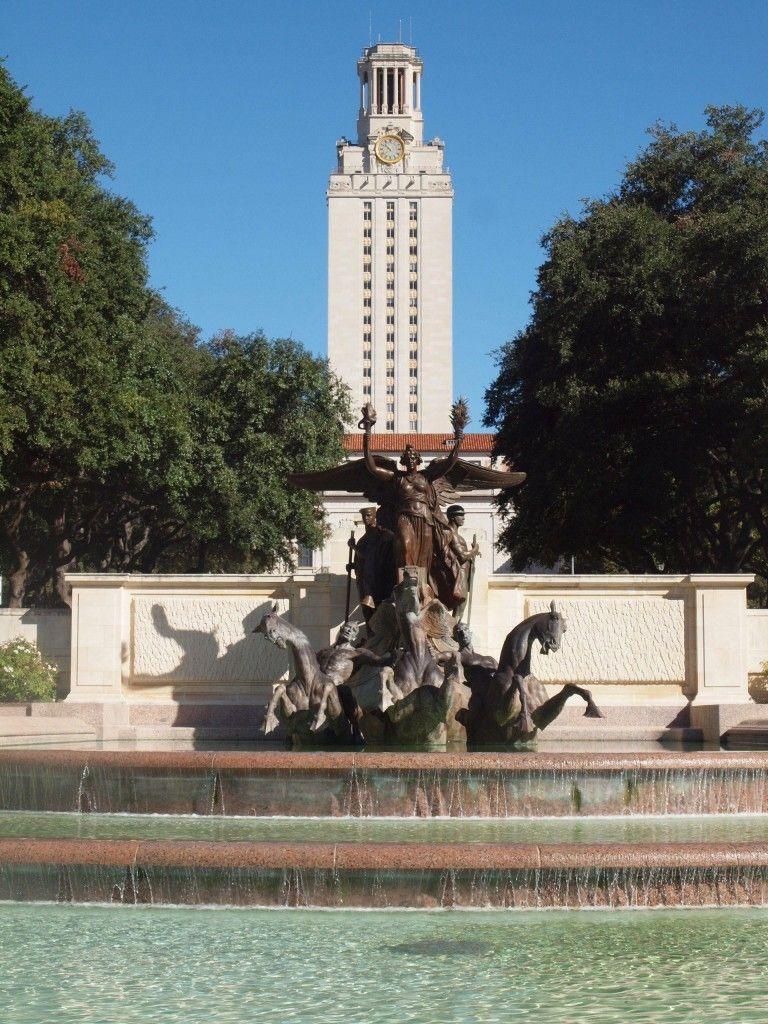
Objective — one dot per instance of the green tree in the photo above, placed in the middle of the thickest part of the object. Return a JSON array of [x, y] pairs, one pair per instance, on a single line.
[[124, 444], [91, 398], [637, 397], [261, 411]]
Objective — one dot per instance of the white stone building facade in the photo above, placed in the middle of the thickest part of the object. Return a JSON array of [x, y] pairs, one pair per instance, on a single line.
[[390, 203]]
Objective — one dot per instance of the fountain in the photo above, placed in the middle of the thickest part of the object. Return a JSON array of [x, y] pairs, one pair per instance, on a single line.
[[330, 825], [417, 679]]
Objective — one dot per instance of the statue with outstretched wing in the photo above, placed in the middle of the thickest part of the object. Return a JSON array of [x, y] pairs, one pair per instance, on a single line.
[[411, 500]]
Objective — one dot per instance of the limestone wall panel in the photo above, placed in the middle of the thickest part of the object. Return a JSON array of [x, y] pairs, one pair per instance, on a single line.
[[615, 639], [197, 638]]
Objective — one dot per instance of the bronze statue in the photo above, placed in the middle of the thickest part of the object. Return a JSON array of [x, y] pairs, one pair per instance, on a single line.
[[411, 501], [508, 703], [373, 563], [413, 568], [462, 556], [339, 662]]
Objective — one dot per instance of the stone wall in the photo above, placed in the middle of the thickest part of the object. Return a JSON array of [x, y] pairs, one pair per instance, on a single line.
[[190, 638], [757, 631], [640, 639], [48, 628]]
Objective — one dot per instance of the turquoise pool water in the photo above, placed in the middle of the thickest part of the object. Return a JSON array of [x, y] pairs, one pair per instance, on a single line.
[[624, 829], [97, 965]]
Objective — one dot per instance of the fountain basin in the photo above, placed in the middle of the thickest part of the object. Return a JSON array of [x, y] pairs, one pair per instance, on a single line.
[[368, 875], [385, 784], [396, 875], [216, 828], [148, 963]]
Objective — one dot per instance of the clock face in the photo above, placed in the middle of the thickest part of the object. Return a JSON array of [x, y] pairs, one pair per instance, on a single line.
[[389, 149]]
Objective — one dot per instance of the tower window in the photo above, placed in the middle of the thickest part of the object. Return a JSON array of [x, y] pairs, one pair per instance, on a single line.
[[366, 371], [367, 302], [413, 212], [413, 233], [390, 232], [391, 338], [390, 318], [390, 424]]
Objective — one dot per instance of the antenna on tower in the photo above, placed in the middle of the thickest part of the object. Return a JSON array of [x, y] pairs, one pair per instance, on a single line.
[[370, 28], [399, 30], [410, 31]]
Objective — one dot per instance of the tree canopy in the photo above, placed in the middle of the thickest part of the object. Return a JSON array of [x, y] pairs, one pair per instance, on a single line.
[[124, 443], [636, 399]]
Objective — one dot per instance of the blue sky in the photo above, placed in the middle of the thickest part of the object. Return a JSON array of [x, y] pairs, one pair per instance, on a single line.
[[222, 117]]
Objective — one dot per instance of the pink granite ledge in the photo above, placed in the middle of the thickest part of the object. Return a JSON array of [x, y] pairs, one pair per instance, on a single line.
[[301, 763], [198, 761], [381, 856]]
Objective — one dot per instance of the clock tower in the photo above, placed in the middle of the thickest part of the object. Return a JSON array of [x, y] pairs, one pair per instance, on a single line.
[[389, 252]]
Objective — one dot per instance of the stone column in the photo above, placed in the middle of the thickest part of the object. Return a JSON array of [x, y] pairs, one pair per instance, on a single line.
[[100, 639], [720, 637]]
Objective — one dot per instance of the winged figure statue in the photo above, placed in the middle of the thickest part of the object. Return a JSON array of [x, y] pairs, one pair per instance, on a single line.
[[411, 501]]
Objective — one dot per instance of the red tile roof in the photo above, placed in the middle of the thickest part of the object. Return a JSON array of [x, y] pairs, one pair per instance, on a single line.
[[472, 443]]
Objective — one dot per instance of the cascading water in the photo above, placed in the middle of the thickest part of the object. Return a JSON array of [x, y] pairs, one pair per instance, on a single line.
[[587, 863]]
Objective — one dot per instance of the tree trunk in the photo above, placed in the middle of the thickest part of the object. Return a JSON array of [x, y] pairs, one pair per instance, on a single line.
[[18, 580], [63, 589]]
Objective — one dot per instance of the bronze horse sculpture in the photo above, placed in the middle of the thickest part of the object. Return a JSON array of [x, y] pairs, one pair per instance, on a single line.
[[508, 703], [318, 686]]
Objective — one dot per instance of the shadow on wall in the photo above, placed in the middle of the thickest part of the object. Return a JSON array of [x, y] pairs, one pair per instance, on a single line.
[[208, 653]]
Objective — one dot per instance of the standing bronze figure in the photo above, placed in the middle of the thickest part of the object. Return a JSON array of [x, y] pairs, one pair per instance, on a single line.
[[372, 560]]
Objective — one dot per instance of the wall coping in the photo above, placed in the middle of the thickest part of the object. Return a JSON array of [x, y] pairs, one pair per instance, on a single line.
[[501, 581], [160, 581], [16, 613], [619, 581]]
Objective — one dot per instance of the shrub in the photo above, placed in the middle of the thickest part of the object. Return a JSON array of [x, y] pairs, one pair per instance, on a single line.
[[24, 676]]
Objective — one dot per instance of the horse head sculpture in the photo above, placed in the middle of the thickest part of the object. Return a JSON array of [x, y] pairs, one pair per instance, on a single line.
[[550, 634], [270, 627]]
